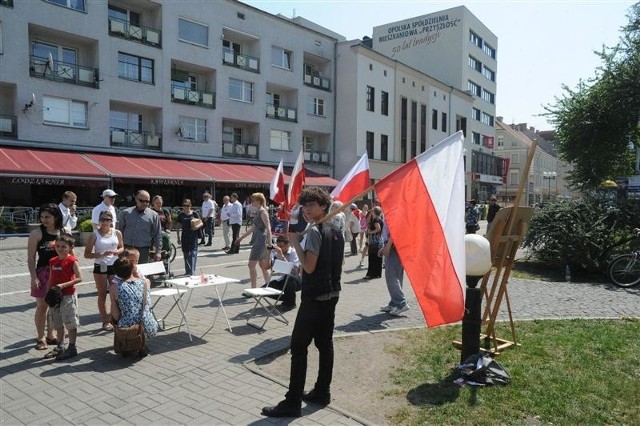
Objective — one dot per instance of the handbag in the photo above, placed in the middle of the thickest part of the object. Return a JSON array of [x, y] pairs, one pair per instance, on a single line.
[[196, 223], [130, 339]]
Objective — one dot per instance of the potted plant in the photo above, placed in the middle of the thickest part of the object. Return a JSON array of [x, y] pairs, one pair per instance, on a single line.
[[86, 229]]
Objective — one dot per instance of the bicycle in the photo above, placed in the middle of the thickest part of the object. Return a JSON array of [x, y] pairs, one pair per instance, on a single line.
[[624, 270]]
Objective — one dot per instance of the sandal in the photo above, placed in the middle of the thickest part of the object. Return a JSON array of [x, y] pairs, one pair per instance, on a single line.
[[42, 345], [106, 326], [54, 352], [51, 341]]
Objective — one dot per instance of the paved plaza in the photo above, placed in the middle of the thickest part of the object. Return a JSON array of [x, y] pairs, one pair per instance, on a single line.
[[205, 381]]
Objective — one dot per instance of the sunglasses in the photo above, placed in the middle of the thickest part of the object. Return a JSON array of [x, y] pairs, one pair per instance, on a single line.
[[186, 205], [104, 219], [143, 201]]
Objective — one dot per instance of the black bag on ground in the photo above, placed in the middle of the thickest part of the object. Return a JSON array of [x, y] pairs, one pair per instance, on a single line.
[[53, 296], [484, 370]]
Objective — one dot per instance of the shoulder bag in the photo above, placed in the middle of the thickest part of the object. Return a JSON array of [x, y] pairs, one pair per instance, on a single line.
[[130, 339]]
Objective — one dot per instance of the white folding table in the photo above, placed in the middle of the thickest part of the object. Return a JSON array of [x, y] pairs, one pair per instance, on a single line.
[[194, 282]]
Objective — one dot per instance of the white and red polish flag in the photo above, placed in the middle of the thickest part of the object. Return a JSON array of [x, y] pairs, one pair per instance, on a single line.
[[423, 205], [276, 190], [297, 180], [354, 183]]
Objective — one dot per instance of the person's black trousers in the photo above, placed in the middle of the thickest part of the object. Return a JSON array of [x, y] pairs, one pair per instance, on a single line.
[[315, 323], [235, 234]]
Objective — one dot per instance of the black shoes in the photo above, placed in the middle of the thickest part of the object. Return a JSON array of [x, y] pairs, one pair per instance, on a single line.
[[208, 245], [321, 398], [284, 408]]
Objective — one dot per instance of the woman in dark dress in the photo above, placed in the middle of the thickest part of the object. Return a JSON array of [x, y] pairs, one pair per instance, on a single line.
[[189, 237], [375, 243]]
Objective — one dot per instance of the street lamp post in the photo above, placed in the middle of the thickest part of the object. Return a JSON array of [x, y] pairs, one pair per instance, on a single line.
[[549, 176], [478, 263]]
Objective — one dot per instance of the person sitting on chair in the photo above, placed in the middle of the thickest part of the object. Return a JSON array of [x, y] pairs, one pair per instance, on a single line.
[[283, 251]]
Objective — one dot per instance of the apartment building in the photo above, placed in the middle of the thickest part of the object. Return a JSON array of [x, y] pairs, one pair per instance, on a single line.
[[545, 179], [456, 48], [390, 110], [173, 96]]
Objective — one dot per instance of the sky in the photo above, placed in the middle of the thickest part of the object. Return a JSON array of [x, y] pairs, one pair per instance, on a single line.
[[541, 44]]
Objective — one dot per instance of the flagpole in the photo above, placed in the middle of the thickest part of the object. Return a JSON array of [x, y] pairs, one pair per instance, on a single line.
[[333, 213]]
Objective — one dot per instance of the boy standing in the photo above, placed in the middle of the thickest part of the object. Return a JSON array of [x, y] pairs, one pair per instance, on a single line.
[[65, 273], [321, 263]]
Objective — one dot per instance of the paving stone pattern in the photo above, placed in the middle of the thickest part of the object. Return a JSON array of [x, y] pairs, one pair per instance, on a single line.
[[205, 381]]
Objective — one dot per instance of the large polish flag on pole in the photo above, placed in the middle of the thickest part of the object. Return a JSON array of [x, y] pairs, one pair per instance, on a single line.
[[353, 183], [297, 180], [423, 205], [276, 190]]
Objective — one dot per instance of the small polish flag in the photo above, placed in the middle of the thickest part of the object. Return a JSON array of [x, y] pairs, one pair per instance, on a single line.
[[430, 240], [276, 190], [297, 180], [354, 183]]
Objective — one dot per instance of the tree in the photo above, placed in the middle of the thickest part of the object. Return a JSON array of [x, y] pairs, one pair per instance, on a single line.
[[598, 123]]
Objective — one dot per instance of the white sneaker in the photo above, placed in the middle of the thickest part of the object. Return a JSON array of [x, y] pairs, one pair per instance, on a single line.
[[386, 308], [399, 311]]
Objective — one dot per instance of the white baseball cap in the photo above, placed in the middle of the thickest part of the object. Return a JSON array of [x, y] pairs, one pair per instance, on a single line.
[[108, 193]]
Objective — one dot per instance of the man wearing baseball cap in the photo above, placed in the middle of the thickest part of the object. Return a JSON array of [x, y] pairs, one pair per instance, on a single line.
[[108, 198]]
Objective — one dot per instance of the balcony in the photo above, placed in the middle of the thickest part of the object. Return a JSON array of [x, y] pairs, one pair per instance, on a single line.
[[317, 157], [318, 82], [282, 113], [9, 126], [139, 33], [64, 72], [242, 150], [7, 3], [134, 139], [193, 97], [244, 62]]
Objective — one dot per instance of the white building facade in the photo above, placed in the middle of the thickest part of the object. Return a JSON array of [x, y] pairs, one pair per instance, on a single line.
[[456, 48]]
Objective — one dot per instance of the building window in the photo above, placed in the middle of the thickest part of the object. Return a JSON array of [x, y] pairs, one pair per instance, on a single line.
[[384, 147], [371, 94], [135, 68], [71, 4], [370, 67], [280, 140], [192, 32], [475, 64], [369, 144], [384, 103], [240, 90], [232, 134], [315, 106], [403, 129], [64, 112], [475, 39], [500, 140], [513, 178], [414, 128], [487, 119], [444, 122], [193, 129], [515, 158], [488, 96], [476, 138], [423, 127], [475, 114], [123, 120], [384, 73], [490, 51], [434, 119], [280, 57], [474, 88], [487, 72], [66, 55]]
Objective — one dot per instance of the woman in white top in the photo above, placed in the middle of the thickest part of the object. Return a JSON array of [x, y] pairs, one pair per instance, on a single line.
[[104, 246]]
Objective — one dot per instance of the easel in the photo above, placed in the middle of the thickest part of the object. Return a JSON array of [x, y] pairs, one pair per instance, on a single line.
[[505, 236]]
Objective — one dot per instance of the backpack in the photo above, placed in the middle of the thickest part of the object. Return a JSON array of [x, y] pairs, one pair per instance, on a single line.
[[326, 278], [482, 370]]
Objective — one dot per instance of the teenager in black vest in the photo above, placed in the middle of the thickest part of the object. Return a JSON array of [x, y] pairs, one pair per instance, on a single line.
[[321, 254]]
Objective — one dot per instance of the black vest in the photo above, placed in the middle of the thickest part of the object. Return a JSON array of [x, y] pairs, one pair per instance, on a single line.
[[326, 278]]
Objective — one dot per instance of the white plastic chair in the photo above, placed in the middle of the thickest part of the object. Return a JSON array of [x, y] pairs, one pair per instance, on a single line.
[[266, 294]]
